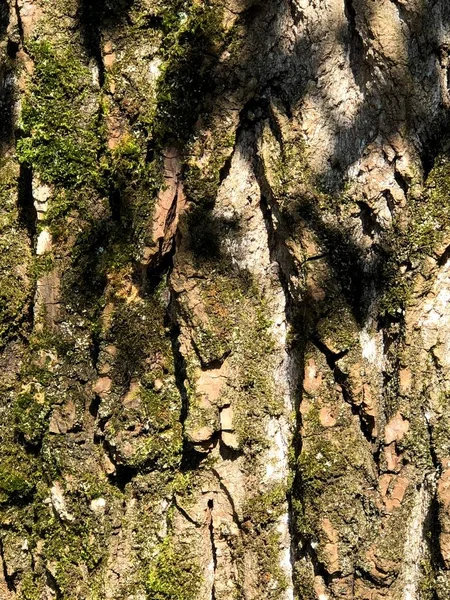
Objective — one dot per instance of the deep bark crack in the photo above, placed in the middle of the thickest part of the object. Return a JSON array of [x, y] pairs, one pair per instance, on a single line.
[[367, 422], [213, 545], [9, 578]]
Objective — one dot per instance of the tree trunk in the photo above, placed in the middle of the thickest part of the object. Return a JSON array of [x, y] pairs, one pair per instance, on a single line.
[[224, 299]]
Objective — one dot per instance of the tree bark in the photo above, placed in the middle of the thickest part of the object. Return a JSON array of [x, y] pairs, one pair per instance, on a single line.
[[224, 299]]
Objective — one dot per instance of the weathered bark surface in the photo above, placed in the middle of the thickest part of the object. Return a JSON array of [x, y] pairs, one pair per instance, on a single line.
[[224, 299]]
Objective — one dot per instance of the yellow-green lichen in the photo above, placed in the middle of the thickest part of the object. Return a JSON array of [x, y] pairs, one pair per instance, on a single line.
[[175, 574], [260, 516], [235, 324]]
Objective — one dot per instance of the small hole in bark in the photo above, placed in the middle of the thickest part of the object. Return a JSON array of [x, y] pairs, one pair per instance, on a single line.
[[12, 49], [94, 406]]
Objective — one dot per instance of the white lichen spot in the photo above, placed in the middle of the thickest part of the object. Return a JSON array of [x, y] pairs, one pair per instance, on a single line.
[[155, 68], [276, 467], [414, 544], [285, 553], [44, 242], [95, 73], [98, 505], [369, 348], [41, 195]]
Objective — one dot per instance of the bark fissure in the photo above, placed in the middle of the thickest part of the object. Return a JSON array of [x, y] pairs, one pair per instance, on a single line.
[[210, 520]]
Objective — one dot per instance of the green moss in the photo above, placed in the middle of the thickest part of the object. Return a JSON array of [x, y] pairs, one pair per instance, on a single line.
[[304, 581], [138, 330], [144, 356], [286, 166], [72, 548], [339, 330], [64, 140], [193, 38], [427, 583], [134, 181], [267, 507], [174, 575], [42, 265], [157, 450], [164, 445], [318, 462], [428, 218], [61, 137], [31, 588], [431, 213], [330, 470], [397, 295], [76, 547], [31, 411], [18, 473], [235, 323], [414, 446], [202, 182]]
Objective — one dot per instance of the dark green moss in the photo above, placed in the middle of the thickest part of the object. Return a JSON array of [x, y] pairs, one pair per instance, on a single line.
[[142, 368], [133, 181], [18, 473], [304, 580], [192, 33], [138, 330]]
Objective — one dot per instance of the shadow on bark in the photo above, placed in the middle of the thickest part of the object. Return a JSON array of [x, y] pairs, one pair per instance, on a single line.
[[7, 83], [97, 17]]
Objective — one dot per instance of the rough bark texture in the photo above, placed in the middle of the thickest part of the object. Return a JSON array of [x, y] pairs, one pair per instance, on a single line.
[[224, 299]]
